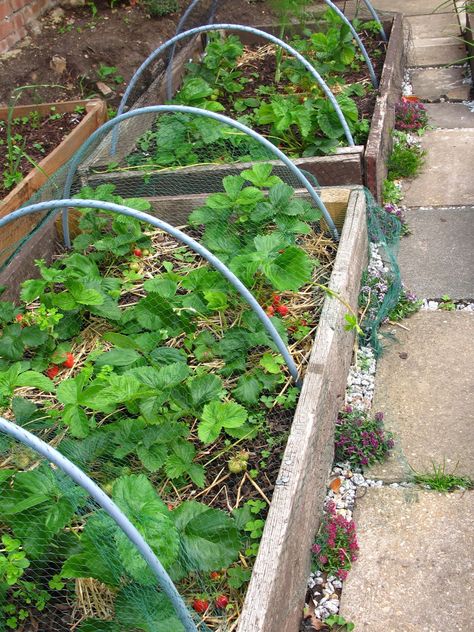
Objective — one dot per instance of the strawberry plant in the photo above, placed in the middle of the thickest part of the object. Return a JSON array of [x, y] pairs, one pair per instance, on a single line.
[[149, 380]]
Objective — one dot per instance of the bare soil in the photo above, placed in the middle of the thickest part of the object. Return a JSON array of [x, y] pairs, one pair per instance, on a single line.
[[37, 140], [67, 48]]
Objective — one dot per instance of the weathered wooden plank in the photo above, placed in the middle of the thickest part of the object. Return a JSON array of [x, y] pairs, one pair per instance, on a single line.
[[379, 143], [37, 177], [276, 592]]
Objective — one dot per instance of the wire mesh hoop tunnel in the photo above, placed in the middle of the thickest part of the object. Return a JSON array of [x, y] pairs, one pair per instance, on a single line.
[[363, 50], [375, 15], [79, 477], [112, 124], [244, 29], [179, 28], [178, 234]]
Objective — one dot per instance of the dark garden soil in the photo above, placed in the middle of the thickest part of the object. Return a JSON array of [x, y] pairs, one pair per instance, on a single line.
[[68, 47], [37, 139]]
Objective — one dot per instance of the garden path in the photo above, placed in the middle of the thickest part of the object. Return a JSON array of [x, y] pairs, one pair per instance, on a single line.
[[415, 572]]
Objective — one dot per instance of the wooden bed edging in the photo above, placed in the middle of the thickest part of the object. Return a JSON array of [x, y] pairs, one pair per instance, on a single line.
[[379, 143], [276, 592], [37, 177]]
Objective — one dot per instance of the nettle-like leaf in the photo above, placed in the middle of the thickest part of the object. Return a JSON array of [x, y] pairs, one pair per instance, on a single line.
[[220, 415], [291, 270], [137, 498], [209, 537]]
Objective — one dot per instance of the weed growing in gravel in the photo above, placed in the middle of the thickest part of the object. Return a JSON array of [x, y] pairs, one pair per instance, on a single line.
[[336, 544], [447, 303], [360, 438], [442, 481], [408, 304]]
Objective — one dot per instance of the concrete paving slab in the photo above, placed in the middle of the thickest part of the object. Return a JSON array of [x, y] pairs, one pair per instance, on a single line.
[[432, 84], [415, 570], [450, 115], [446, 178], [436, 51], [412, 7], [425, 386], [437, 258], [435, 25]]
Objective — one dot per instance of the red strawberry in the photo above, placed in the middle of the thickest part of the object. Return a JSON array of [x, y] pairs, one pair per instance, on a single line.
[[19, 318], [282, 310], [276, 299], [200, 605], [170, 507], [69, 361], [215, 576], [52, 371], [270, 310], [221, 602], [137, 252]]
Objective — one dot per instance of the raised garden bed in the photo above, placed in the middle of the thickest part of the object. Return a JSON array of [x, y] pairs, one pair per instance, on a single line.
[[347, 165], [276, 590], [470, 34], [95, 113]]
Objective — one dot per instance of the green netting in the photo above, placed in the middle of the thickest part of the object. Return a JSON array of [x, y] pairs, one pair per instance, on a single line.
[[383, 283]]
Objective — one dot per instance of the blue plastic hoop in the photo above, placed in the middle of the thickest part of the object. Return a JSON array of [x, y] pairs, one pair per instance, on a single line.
[[178, 234]]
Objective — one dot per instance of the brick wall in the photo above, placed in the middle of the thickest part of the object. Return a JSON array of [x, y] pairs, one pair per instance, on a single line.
[[15, 15]]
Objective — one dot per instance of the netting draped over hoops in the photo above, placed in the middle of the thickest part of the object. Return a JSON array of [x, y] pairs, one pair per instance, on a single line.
[[194, 245], [112, 510], [247, 29], [199, 112]]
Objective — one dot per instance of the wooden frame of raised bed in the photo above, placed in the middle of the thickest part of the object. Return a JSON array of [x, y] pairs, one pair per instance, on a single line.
[[348, 165], [276, 591], [96, 115]]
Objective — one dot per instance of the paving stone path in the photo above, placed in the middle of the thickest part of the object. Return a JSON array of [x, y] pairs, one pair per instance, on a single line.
[[415, 572]]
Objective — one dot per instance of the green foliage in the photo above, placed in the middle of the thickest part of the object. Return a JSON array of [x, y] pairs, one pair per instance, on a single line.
[[441, 480], [406, 159], [159, 8], [391, 193]]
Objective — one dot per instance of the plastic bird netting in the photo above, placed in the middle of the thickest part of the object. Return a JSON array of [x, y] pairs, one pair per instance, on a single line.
[[144, 366]]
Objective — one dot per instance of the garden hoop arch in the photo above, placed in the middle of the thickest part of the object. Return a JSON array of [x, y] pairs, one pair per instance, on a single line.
[[151, 109], [182, 21], [363, 50], [375, 15], [184, 238], [109, 506], [244, 29]]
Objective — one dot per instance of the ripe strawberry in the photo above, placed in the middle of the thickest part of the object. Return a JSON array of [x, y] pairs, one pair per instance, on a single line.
[[137, 252], [270, 310], [276, 299], [170, 507], [69, 361], [19, 318], [200, 605], [282, 310], [221, 602], [52, 371], [215, 576]]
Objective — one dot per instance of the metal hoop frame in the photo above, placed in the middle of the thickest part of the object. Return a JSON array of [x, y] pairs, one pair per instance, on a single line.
[[244, 29], [108, 505], [175, 232], [157, 109]]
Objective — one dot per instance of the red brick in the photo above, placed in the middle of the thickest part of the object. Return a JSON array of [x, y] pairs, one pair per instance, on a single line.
[[18, 4], [4, 10], [6, 28]]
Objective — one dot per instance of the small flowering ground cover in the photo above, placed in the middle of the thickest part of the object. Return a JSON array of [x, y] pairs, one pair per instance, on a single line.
[[144, 366]]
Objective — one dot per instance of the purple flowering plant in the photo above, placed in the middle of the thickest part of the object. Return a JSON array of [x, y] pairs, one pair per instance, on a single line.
[[336, 544], [361, 438], [410, 116]]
